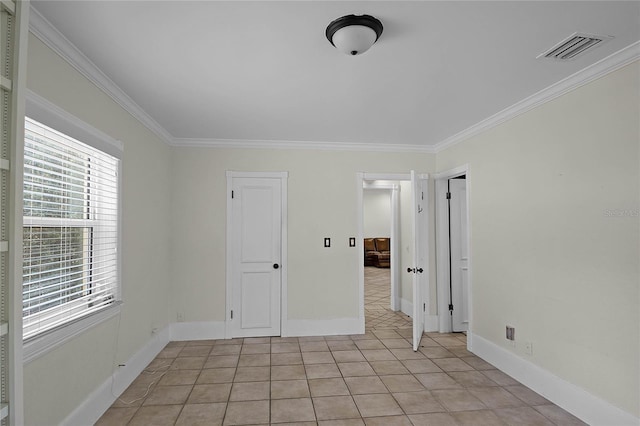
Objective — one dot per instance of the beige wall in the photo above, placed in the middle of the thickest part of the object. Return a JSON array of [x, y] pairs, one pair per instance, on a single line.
[[322, 283], [56, 383], [546, 256]]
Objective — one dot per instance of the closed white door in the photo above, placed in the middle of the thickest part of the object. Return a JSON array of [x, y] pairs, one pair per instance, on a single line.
[[256, 239], [459, 254]]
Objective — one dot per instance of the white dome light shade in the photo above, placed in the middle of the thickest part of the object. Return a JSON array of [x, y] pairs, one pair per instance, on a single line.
[[353, 34], [354, 39]]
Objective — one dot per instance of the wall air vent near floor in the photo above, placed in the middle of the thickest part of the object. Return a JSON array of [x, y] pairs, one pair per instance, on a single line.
[[574, 46]]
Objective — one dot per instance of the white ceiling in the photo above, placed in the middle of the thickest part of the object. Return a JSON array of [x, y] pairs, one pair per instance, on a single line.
[[264, 71]]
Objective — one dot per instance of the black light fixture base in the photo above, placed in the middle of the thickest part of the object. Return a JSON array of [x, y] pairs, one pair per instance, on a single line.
[[348, 20]]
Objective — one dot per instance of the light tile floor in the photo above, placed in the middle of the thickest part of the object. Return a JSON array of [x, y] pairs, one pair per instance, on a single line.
[[372, 379], [377, 313]]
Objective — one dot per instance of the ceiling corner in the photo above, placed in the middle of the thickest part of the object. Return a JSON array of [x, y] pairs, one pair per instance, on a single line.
[[40, 27], [597, 70]]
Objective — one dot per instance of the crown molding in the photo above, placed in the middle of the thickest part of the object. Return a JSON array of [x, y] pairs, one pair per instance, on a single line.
[[49, 35], [321, 146], [599, 69], [56, 41]]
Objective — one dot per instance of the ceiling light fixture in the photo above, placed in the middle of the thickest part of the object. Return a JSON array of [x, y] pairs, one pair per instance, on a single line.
[[353, 34]]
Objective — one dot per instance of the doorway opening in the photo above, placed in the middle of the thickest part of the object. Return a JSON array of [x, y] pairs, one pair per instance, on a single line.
[[383, 228], [408, 251]]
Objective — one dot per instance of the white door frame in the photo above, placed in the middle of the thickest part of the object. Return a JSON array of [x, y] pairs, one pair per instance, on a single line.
[[361, 177], [284, 264], [442, 249], [394, 300]]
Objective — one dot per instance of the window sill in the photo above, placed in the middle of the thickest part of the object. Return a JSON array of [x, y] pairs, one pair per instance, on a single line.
[[39, 346]]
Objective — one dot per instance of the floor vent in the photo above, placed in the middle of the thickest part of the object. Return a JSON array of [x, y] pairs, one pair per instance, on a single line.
[[573, 46]]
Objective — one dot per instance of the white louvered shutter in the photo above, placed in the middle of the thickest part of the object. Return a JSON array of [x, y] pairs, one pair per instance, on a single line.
[[14, 22]]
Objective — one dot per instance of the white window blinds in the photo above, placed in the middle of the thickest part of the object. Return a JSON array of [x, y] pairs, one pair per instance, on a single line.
[[70, 234]]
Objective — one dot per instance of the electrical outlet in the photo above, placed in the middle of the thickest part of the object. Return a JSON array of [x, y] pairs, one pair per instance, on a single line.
[[528, 348], [511, 333], [180, 316]]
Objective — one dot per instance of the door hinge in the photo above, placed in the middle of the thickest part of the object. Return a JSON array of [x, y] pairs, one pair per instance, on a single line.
[[448, 195], [422, 195], [231, 194], [232, 314], [451, 307], [424, 307]]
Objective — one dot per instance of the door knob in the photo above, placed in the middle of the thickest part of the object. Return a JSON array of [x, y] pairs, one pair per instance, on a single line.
[[276, 266], [420, 270], [409, 270]]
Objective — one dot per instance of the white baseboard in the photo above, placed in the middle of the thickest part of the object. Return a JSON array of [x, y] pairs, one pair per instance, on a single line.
[[291, 328], [431, 323], [406, 307], [582, 404], [330, 327], [203, 330], [98, 401]]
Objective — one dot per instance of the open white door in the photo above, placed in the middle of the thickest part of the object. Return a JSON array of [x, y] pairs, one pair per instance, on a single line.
[[420, 263], [459, 254]]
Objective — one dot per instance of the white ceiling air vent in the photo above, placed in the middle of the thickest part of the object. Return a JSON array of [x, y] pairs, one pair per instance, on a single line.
[[573, 46]]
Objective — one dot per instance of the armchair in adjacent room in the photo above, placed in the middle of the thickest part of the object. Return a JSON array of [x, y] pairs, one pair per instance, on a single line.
[[377, 252]]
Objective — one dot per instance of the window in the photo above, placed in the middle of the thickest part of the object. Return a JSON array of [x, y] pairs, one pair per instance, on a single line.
[[70, 230]]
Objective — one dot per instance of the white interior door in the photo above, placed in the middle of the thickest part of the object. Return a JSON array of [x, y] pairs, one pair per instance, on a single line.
[[256, 239], [459, 254], [420, 263]]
